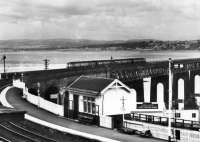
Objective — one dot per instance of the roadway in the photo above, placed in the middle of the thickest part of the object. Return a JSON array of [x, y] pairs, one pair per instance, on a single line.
[[13, 97]]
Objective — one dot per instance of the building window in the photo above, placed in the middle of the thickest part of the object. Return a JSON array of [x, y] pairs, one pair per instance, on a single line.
[[178, 115], [93, 108], [89, 105], [71, 104], [193, 115], [85, 106]]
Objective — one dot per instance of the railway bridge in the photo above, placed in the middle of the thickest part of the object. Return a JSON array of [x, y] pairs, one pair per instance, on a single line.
[[148, 78], [151, 80]]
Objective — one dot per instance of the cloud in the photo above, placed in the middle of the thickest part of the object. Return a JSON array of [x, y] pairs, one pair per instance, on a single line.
[[100, 19]]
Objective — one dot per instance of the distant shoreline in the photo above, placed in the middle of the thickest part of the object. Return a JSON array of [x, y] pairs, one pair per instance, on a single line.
[[95, 45], [92, 49]]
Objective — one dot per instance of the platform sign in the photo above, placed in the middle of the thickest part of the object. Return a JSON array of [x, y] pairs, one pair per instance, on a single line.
[[54, 96], [147, 106]]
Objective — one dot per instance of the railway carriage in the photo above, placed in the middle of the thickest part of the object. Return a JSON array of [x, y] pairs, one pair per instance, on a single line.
[[95, 63]]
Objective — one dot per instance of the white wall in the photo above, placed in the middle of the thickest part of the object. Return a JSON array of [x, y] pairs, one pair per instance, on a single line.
[[197, 84], [187, 114], [147, 88], [17, 83], [80, 100], [181, 93], [160, 96], [47, 105], [98, 101], [32, 98], [39, 101], [184, 114], [112, 101], [106, 121], [198, 100], [52, 107], [71, 99]]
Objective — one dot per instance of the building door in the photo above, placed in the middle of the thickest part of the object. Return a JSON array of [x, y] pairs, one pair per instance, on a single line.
[[66, 104], [117, 121], [76, 106]]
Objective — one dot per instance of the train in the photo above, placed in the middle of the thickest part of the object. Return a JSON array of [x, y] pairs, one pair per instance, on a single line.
[[95, 63]]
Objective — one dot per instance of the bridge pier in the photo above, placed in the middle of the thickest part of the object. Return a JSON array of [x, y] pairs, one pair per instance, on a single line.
[[138, 86], [154, 91], [147, 89], [181, 89], [195, 81]]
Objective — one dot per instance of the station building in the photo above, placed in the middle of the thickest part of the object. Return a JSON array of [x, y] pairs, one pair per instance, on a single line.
[[103, 101], [95, 100]]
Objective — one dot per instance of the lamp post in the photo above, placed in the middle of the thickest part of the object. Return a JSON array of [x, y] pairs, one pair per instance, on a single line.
[[170, 99], [171, 68], [62, 94], [22, 77], [38, 91]]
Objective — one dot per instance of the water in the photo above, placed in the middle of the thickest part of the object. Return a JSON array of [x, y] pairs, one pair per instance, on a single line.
[[33, 60]]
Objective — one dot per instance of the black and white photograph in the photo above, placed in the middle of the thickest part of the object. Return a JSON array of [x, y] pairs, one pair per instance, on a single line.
[[99, 70]]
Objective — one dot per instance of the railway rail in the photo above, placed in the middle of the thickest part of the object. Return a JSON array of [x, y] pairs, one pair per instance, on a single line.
[[2, 139], [23, 134]]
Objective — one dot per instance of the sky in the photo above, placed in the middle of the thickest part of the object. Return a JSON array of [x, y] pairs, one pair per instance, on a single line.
[[100, 19]]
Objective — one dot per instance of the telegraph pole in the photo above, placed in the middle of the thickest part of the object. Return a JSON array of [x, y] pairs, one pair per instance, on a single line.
[[38, 92], [170, 100], [4, 63], [46, 64], [123, 108]]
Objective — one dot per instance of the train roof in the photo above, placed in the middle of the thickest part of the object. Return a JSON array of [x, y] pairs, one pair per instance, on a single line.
[[107, 60]]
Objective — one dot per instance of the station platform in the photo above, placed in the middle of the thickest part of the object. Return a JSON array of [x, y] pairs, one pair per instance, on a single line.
[[11, 114], [14, 98]]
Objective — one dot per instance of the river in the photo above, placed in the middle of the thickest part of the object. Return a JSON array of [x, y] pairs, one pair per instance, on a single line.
[[33, 60]]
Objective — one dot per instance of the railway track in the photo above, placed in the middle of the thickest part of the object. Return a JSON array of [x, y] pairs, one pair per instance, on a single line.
[[2, 139], [22, 134], [12, 136]]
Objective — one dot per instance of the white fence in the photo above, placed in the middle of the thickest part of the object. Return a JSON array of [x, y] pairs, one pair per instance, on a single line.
[[39, 101], [17, 83], [47, 105], [31, 98]]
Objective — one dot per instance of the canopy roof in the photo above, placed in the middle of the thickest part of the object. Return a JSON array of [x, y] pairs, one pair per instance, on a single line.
[[93, 86]]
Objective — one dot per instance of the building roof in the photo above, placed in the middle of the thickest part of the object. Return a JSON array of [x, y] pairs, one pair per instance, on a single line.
[[90, 84]]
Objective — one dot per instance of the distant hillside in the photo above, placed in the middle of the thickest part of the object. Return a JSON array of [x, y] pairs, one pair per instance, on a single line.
[[51, 44], [72, 44]]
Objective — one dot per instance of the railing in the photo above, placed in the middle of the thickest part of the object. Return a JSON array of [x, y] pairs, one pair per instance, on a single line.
[[139, 73], [158, 120]]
